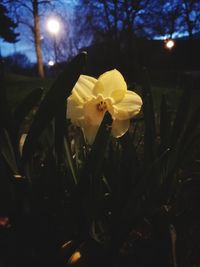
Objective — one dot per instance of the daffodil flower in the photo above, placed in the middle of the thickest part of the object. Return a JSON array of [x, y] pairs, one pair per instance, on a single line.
[[91, 98]]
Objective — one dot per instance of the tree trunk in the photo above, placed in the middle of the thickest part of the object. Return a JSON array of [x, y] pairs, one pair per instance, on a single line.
[[37, 39]]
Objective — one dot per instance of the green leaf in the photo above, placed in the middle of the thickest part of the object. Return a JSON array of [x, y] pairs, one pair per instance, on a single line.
[[129, 171], [6, 118], [60, 130], [27, 104], [7, 151], [187, 135], [89, 191], [79, 149], [181, 116], [60, 90], [165, 125], [150, 153], [191, 129], [95, 158], [149, 120], [69, 160], [189, 138]]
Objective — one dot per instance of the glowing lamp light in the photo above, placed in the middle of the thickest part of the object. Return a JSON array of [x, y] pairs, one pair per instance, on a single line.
[[53, 26], [51, 63], [169, 44]]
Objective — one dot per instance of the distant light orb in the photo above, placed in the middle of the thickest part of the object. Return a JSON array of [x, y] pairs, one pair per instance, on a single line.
[[53, 26], [51, 63], [169, 44]]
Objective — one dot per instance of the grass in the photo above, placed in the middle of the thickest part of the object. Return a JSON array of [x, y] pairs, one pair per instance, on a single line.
[[162, 82], [18, 87], [171, 83]]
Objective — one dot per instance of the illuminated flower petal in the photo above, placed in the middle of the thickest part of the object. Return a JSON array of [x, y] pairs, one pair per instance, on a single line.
[[83, 89], [128, 107], [92, 119], [90, 132], [91, 112], [91, 98], [74, 110], [111, 84], [120, 127]]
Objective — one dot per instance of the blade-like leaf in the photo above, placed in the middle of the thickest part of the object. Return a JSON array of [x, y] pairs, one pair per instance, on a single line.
[[181, 115], [149, 135], [27, 104], [95, 158], [149, 120], [130, 171], [69, 160], [60, 90], [189, 137], [6, 118], [89, 190], [7, 151], [60, 129], [165, 126], [191, 129]]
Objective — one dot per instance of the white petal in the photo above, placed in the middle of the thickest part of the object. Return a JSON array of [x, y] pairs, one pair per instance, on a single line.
[[90, 132], [84, 87], [91, 113], [128, 107], [120, 127], [92, 119], [89, 78], [98, 88], [74, 110], [111, 84]]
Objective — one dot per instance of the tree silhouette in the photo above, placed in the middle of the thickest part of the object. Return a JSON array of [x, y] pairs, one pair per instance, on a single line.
[[116, 23], [28, 14], [190, 16], [7, 32]]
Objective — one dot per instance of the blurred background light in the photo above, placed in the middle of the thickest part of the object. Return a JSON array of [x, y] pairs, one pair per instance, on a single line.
[[169, 44], [53, 25], [51, 63]]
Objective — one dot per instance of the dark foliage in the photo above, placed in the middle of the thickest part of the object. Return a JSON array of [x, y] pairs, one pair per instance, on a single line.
[[133, 201], [19, 63], [7, 29]]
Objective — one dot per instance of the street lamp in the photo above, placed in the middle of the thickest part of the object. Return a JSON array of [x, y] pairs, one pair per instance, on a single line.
[[51, 63], [169, 44], [53, 27]]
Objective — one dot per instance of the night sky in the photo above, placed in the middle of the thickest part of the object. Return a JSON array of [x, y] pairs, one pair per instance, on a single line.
[[25, 44], [67, 7]]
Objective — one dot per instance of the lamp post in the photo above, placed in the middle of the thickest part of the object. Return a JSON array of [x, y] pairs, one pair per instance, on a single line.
[[53, 27]]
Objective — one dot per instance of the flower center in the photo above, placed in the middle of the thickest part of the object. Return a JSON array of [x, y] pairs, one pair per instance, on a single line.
[[101, 106]]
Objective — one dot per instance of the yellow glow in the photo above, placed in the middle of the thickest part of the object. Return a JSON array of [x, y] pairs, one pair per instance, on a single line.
[[74, 257], [169, 44], [53, 26]]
